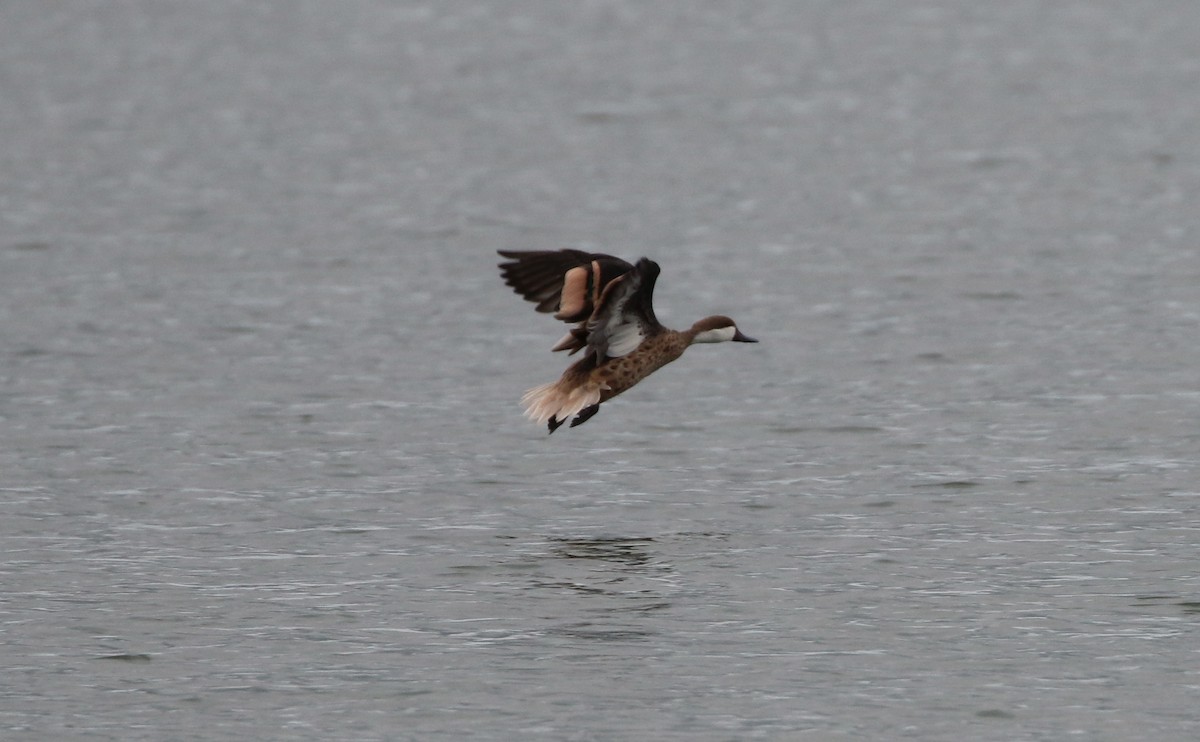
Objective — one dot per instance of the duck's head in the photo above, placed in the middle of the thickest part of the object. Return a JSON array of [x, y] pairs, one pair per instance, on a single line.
[[718, 329]]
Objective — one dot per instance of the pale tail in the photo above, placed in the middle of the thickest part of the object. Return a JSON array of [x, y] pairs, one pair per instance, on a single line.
[[559, 400]]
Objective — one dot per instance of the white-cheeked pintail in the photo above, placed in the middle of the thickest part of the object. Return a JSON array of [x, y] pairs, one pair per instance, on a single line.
[[611, 304]]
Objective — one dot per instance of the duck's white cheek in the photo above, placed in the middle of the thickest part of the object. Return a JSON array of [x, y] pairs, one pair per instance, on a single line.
[[719, 335]]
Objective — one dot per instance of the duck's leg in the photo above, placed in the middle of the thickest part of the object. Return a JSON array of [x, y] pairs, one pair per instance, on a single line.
[[585, 414], [554, 424]]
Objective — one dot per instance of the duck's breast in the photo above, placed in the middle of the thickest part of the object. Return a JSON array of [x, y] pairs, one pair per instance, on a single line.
[[622, 373]]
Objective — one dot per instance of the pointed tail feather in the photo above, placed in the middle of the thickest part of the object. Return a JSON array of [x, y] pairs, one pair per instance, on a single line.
[[559, 401]]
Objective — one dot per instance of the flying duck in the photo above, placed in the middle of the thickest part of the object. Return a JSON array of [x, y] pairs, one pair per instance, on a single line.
[[611, 304]]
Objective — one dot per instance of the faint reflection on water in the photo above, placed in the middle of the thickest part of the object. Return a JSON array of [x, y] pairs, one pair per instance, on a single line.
[[631, 552], [623, 571]]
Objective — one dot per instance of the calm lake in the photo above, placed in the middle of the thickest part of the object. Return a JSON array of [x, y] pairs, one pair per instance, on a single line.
[[263, 469]]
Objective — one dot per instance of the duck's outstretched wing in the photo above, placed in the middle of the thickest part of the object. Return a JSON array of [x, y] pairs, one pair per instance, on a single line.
[[566, 282], [624, 315], [570, 283]]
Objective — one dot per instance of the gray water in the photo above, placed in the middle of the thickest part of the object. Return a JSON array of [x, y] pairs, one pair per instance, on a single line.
[[263, 472]]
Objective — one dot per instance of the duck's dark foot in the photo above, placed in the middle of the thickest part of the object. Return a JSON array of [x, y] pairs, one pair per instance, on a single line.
[[554, 424], [585, 414]]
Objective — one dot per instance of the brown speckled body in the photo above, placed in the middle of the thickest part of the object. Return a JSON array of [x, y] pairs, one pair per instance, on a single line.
[[586, 384], [619, 374]]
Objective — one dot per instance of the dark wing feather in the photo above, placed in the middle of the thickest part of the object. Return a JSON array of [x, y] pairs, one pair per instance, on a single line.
[[624, 316], [538, 276]]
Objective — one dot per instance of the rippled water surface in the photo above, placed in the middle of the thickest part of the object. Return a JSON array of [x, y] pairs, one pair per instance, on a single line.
[[262, 469]]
